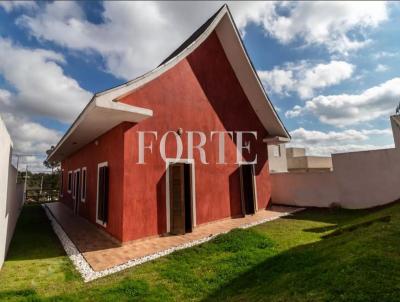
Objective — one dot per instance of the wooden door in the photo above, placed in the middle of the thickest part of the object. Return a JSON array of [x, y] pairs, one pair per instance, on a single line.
[[177, 198]]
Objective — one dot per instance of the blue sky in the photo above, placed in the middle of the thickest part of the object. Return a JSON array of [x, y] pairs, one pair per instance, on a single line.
[[331, 69]]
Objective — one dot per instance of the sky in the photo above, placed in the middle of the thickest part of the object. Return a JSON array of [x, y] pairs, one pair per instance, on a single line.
[[332, 70]]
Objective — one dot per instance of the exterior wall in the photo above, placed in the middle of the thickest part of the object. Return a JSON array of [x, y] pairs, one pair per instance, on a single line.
[[277, 158], [358, 180], [109, 148], [395, 122], [312, 189], [201, 93], [10, 195], [373, 178]]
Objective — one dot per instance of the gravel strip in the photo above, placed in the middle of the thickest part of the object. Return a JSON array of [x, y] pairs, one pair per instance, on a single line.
[[88, 274]]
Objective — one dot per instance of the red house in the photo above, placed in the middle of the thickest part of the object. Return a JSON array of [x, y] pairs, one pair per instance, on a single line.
[[207, 85]]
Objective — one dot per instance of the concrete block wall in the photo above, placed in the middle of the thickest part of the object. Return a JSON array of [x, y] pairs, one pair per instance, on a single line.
[[358, 180]]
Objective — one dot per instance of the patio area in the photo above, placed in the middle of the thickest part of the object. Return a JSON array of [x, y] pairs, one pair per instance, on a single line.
[[103, 252]]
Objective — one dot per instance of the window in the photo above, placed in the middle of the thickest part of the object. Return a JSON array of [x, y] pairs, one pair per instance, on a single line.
[[83, 185], [102, 193], [277, 151], [62, 183], [69, 181]]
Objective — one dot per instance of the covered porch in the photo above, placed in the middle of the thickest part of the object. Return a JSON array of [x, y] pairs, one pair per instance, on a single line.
[[102, 252]]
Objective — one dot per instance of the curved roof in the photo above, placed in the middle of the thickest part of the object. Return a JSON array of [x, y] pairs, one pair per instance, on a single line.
[[222, 23]]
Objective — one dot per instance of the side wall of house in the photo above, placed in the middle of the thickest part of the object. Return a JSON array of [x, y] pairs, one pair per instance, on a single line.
[[201, 93], [107, 148]]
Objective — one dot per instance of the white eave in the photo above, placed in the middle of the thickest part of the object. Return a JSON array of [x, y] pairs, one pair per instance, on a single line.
[[104, 111], [96, 119], [276, 140]]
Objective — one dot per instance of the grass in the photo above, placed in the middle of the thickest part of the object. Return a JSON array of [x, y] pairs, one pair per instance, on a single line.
[[315, 255]]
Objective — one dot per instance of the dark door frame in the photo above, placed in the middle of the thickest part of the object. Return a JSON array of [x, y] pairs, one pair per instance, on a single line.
[[190, 162]]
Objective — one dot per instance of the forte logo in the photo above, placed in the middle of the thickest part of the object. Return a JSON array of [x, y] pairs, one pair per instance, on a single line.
[[218, 137]]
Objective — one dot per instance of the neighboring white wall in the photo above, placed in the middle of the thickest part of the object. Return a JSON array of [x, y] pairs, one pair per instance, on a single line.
[[10, 196], [368, 178], [311, 189], [277, 158], [358, 180]]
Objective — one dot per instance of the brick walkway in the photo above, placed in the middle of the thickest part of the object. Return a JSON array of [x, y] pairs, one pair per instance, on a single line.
[[102, 251]]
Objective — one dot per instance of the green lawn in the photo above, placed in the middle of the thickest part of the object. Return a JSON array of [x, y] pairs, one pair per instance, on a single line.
[[315, 255]]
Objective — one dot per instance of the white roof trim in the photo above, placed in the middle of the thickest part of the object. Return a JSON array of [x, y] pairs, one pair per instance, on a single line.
[[250, 82], [97, 118], [276, 140], [120, 91], [248, 78]]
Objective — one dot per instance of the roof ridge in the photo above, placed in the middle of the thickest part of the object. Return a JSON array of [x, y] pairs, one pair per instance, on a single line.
[[193, 37]]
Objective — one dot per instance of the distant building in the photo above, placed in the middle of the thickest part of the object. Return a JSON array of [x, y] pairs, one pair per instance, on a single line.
[[277, 158], [298, 161], [282, 159]]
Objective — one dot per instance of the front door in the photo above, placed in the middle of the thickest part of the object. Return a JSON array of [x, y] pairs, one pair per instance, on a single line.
[[180, 198], [247, 189]]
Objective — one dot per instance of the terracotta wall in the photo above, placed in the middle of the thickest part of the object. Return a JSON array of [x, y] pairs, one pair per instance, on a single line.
[[201, 93], [109, 148]]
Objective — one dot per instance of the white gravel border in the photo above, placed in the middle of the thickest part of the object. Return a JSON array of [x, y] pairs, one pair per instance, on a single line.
[[88, 274]]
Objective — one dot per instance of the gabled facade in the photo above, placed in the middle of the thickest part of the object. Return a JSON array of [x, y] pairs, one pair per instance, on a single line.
[[207, 85]]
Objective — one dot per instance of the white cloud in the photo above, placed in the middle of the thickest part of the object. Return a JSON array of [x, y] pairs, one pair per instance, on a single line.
[[381, 68], [327, 23], [39, 89], [348, 109], [8, 6], [31, 140], [136, 36], [30, 137], [305, 78], [42, 88], [325, 143], [277, 80], [385, 54], [328, 150]]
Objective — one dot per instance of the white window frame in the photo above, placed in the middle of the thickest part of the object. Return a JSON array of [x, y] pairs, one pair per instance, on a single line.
[[62, 183], [83, 196], [191, 162], [74, 184], [70, 184], [100, 165]]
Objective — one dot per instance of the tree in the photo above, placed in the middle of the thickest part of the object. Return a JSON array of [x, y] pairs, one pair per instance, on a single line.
[[51, 165]]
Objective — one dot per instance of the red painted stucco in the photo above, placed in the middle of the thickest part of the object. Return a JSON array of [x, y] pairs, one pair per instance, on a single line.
[[109, 149], [200, 93]]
